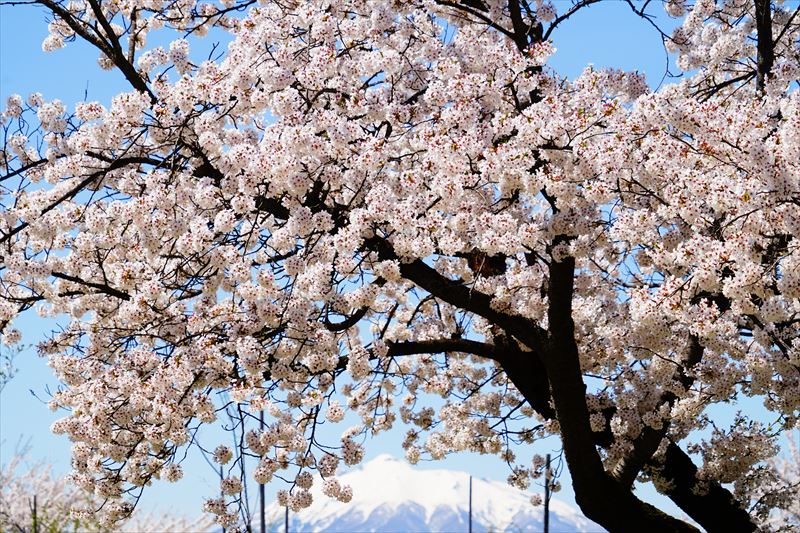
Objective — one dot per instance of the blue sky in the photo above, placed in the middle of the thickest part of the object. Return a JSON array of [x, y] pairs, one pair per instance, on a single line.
[[607, 34]]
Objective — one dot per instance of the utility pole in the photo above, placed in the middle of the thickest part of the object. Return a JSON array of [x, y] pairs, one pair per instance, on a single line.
[[470, 504], [261, 493], [286, 520], [547, 495], [35, 516], [221, 477]]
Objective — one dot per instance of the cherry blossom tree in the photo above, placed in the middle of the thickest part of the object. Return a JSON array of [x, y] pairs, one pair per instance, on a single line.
[[787, 474], [362, 204], [33, 499]]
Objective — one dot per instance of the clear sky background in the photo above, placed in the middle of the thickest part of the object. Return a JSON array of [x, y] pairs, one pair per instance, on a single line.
[[607, 34]]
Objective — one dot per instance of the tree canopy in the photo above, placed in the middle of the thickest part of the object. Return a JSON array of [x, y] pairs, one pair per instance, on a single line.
[[364, 202]]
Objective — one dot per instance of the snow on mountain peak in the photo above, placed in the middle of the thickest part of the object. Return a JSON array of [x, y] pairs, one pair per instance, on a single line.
[[391, 495]]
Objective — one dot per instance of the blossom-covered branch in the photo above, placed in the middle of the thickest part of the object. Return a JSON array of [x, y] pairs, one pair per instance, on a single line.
[[364, 205]]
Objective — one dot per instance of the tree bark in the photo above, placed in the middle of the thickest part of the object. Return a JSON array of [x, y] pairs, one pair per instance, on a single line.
[[598, 495], [714, 508], [764, 45], [554, 362]]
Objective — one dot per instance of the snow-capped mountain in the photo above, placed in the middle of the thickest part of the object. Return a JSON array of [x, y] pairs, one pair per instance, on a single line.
[[391, 496]]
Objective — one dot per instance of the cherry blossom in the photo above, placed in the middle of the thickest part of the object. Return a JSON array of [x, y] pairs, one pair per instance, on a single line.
[[364, 205]]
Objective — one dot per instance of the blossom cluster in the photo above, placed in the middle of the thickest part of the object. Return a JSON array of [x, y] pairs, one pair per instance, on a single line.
[[287, 231]]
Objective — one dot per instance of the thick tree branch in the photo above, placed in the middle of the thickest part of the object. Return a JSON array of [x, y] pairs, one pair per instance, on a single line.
[[475, 10], [648, 441], [481, 349], [108, 44], [522, 31], [433, 346], [598, 494], [457, 294], [348, 322], [764, 45], [527, 373], [101, 287], [596, 491], [712, 506]]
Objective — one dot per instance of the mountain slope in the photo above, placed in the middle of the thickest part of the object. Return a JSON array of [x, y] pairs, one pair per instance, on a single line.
[[391, 496]]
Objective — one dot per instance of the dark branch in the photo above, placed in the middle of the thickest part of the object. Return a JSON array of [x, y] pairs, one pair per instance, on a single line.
[[713, 508], [101, 287], [764, 45]]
